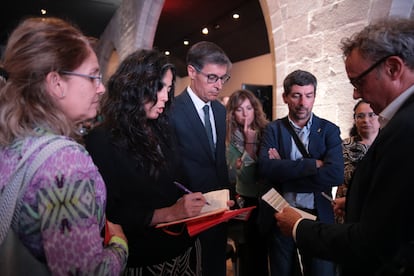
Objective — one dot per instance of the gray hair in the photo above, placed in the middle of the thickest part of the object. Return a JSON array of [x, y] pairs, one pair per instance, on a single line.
[[392, 36]]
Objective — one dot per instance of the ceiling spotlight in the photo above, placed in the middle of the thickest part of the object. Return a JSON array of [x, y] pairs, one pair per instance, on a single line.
[[43, 11], [236, 16], [186, 42], [204, 31], [167, 53]]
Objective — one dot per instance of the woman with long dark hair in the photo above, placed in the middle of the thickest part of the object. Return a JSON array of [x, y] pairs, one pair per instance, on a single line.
[[134, 150]]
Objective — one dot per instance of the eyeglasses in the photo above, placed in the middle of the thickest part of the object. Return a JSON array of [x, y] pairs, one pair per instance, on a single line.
[[362, 116], [357, 82], [213, 78], [97, 80]]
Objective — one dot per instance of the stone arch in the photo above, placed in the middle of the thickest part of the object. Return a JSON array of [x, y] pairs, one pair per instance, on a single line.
[[302, 34], [132, 27]]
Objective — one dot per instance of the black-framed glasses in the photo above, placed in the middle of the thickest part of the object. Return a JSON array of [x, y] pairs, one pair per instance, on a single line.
[[358, 81], [97, 80], [213, 78], [362, 116]]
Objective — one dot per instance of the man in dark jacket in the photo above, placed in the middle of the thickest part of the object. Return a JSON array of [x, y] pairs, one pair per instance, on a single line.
[[300, 173], [378, 233], [203, 151]]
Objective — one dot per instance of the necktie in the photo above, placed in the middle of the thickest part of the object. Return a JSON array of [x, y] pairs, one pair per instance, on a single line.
[[207, 126]]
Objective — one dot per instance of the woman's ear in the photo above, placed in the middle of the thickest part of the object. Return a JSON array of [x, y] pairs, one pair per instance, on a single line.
[[54, 85]]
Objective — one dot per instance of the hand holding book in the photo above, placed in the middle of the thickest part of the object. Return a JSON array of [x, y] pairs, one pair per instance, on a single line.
[[274, 199], [216, 212]]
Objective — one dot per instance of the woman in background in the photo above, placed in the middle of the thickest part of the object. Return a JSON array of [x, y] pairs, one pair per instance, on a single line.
[[135, 152], [246, 121], [362, 134], [51, 82]]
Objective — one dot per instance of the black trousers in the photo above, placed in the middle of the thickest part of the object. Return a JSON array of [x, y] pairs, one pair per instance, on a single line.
[[213, 250]]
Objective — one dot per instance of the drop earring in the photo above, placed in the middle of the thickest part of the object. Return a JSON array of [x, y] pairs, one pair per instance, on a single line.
[[62, 93]]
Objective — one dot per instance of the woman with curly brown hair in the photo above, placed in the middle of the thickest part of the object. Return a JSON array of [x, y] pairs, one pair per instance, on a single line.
[[246, 121]]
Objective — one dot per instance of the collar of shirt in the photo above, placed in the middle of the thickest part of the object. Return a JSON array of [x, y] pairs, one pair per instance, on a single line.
[[199, 104], [303, 134], [306, 128], [386, 115]]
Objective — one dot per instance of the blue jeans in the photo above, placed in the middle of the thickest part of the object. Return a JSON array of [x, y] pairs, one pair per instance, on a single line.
[[283, 258]]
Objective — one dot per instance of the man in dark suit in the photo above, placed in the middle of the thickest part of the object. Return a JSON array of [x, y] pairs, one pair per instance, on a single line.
[[300, 176], [377, 237], [201, 140]]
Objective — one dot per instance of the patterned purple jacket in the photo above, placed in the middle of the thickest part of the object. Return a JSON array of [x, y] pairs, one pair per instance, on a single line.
[[63, 212]]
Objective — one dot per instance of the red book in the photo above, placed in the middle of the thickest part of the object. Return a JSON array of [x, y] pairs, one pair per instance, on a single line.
[[107, 235], [197, 224]]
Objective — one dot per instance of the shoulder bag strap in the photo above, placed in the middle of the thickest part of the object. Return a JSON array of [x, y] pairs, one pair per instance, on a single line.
[[41, 157], [9, 206], [295, 137]]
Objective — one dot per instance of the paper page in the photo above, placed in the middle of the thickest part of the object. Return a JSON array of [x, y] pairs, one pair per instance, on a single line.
[[217, 200], [274, 199]]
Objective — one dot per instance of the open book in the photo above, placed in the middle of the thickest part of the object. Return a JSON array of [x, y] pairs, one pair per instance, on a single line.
[[216, 200], [274, 199], [212, 214]]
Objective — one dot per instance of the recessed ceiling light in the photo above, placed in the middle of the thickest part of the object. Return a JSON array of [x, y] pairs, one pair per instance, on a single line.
[[186, 42], [204, 31], [167, 53], [43, 11], [236, 16]]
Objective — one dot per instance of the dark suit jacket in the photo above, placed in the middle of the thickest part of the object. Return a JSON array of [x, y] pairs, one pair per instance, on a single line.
[[379, 220], [203, 173], [302, 175]]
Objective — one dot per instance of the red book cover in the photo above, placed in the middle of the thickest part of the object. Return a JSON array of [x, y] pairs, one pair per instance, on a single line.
[[197, 224]]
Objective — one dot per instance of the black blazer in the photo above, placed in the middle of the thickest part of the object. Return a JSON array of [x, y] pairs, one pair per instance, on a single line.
[[201, 172], [379, 222]]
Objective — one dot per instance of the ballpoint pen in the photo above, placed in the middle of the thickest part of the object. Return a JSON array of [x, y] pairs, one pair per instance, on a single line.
[[328, 197], [182, 187]]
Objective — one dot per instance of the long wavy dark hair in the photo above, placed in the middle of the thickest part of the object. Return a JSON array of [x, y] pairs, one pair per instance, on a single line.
[[135, 83]]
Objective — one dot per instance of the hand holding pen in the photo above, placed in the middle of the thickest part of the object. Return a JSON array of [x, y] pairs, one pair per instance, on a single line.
[[189, 205], [328, 198], [185, 189], [338, 204]]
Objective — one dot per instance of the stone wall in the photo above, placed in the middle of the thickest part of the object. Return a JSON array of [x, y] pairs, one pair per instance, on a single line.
[[306, 35]]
